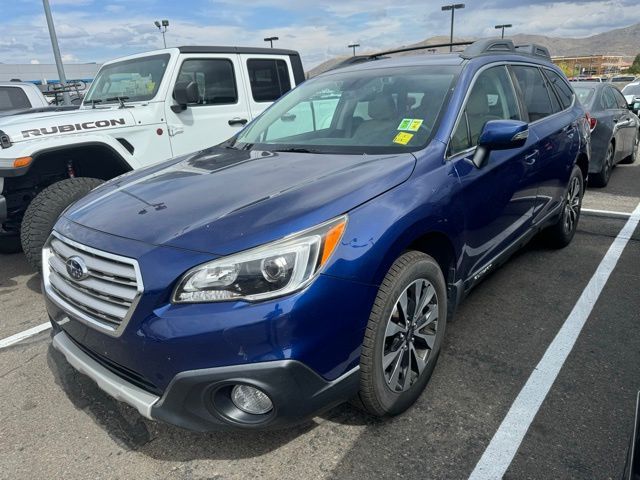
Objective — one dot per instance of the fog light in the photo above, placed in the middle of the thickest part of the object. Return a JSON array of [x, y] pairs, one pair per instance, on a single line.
[[251, 400]]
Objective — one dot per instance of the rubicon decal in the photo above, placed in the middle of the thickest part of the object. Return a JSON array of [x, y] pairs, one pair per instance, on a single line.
[[36, 132]]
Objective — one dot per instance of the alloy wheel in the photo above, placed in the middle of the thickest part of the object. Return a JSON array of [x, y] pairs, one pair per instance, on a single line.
[[410, 335], [572, 204]]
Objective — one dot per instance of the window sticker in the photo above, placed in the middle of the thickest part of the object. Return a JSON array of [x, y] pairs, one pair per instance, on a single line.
[[410, 124], [403, 138]]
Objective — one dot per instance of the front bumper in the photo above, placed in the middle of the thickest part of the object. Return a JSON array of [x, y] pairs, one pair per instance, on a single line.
[[199, 400]]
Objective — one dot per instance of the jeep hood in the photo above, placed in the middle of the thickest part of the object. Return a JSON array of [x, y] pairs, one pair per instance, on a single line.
[[222, 200], [52, 123]]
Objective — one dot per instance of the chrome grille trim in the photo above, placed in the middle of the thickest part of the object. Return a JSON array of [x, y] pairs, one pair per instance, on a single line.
[[106, 299]]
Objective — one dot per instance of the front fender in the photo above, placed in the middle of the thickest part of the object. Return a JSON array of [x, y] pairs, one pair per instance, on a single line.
[[37, 147]]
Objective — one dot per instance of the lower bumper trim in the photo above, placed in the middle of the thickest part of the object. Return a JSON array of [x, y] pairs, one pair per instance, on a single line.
[[112, 384]]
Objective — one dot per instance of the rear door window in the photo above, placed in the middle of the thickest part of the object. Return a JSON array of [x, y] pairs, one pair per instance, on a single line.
[[609, 100], [269, 79], [622, 103], [534, 92], [562, 88], [13, 98]]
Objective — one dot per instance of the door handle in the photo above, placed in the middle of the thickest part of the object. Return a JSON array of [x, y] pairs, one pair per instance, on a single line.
[[238, 121], [531, 158]]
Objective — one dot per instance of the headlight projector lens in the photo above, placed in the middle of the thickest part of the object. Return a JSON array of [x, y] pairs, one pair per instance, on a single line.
[[251, 400]]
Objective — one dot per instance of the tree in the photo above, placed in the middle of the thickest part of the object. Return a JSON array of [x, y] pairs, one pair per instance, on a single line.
[[566, 69], [635, 66]]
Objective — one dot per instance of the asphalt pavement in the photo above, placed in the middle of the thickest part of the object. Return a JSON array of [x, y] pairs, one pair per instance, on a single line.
[[55, 423]]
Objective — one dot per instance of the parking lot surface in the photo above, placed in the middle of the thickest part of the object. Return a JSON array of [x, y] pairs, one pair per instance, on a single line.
[[55, 423]]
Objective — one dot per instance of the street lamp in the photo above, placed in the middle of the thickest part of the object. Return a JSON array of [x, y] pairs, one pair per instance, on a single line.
[[162, 26], [506, 25], [354, 45], [453, 7], [271, 40]]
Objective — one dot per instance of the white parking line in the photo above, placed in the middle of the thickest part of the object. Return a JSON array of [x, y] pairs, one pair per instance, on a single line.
[[505, 443], [18, 337], [604, 213]]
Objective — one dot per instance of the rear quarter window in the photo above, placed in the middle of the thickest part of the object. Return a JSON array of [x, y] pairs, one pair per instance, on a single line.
[[13, 98]]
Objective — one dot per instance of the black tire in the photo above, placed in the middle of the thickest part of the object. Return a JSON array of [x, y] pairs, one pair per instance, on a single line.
[[45, 209], [10, 243], [376, 394], [634, 154], [601, 179], [561, 233]]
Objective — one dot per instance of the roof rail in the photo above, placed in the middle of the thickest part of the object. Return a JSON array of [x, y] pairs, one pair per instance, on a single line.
[[534, 49], [422, 47], [488, 46]]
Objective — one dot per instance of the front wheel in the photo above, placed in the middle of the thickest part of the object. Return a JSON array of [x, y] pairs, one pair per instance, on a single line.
[[634, 153], [45, 209], [561, 233], [403, 336]]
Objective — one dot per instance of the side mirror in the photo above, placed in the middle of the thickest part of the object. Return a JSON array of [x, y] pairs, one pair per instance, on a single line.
[[185, 93], [500, 135]]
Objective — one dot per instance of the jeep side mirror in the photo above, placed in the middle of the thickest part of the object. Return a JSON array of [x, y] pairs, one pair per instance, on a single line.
[[185, 93], [500, 135]]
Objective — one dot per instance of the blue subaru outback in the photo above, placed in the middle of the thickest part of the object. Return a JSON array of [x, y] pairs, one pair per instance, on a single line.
[[316, 256]]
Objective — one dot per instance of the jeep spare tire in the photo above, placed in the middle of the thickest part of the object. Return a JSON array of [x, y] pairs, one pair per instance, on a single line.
[[45, 209]]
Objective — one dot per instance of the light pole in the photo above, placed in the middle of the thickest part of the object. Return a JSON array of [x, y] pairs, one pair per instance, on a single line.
[[271, 40], [162, 26], [453, 7], [354, 46], [506, 25], [56, 52]]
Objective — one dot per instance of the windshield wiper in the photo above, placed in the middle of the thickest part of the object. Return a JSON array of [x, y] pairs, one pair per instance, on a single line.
[[295, 150], [118, 99], [94, 102]]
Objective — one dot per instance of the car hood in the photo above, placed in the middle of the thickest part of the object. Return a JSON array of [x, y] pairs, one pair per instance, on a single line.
[[223, 200], [48, 123]]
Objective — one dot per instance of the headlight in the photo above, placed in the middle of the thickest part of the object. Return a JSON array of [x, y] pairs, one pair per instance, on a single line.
[[271, 270]]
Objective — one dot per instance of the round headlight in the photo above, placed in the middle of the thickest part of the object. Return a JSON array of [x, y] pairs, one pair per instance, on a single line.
[[251, 400]]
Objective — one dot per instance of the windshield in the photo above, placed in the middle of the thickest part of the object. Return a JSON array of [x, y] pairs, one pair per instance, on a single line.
[[366, 111], [633, 89], [138, 79], [584, 94]]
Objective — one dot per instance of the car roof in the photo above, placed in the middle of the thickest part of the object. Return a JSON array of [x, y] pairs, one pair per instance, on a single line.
[[589, 84]]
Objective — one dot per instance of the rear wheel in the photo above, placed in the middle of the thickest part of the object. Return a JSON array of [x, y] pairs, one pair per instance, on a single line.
[[561, 233], [601, 179], [45, 209], [404, 335]]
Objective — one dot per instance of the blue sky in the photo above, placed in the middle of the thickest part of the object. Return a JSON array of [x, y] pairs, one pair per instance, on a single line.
[[99, 30]]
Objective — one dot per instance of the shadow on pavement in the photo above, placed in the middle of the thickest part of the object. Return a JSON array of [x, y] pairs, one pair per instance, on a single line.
[[13, 266]]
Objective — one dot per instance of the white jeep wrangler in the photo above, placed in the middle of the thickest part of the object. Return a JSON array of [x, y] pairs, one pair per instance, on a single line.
[[140, 110]]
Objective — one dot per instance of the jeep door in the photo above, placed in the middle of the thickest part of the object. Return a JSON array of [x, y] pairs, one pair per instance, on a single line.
[[266, 79], [221, 109], [499, 196], [556, 127]]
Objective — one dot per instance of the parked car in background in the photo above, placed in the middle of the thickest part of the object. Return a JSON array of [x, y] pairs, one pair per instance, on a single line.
[[621, 81], [632, 94], [317, 255], [20, 96], [585, 79], [139, 110], [615, 129]]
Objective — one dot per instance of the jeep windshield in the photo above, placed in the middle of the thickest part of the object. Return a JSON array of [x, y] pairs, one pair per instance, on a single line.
[[134, 80], [370, 111]]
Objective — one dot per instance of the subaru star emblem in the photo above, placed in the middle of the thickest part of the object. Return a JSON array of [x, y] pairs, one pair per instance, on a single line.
[[77, 269]]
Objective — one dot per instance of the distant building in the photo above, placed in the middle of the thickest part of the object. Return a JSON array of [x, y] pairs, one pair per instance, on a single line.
[[40, 73], [594, 64]]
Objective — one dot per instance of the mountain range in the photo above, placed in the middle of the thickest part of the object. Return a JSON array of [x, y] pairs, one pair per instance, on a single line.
[[621, 41]]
